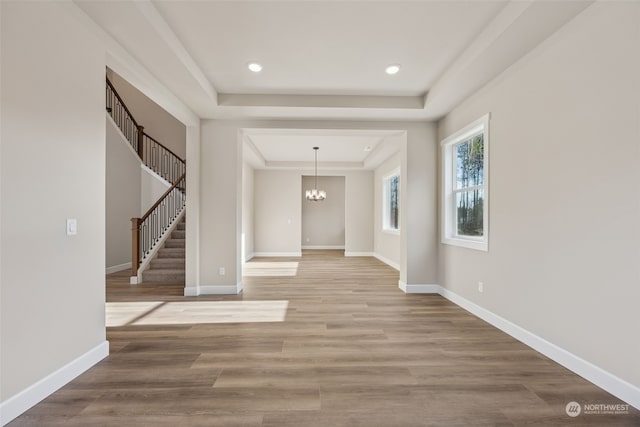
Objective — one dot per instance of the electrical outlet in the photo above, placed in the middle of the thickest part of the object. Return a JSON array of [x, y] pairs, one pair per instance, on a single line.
[[221, 271], [480, 287], [307, 240]]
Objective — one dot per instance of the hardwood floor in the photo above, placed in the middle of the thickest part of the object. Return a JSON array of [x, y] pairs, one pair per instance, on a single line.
[[318, 341]]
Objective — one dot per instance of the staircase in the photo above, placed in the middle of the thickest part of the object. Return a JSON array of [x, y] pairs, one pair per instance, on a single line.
[[168, 265], [149, 262]]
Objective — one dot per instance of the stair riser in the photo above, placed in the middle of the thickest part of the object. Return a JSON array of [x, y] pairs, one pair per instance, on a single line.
[[174, 243], [162, 278], [178, 234], [171, 253], [172, 263]]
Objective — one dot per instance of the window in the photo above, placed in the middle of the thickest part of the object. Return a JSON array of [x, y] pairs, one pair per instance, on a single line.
[[391, 202], [465, 198]]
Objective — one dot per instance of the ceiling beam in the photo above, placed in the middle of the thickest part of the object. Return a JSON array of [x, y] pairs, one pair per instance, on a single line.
[[321, 101]]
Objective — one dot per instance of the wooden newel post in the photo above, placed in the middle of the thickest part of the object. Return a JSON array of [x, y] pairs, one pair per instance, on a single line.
[[141, 141], [135, 245]]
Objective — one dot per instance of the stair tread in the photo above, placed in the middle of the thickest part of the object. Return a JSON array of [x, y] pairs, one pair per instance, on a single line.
[[164, 272], [168, 266]]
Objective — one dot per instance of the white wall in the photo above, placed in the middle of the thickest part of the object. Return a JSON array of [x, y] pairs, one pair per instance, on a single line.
[[123, 195], [278, 212], [323, 223], [192, 240], [247, 210], [220, 206], [565, 179], [53, 168], [157, 122], [152, 187], [386, 243], [358, 225]]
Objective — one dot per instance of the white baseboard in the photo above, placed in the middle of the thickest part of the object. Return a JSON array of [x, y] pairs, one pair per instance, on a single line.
[[119, 267], [326, 247], [358, 254], [277, 254], [419, 289], [587, 370], [21, 402], [387, 261], [191, 291], [248, 257]]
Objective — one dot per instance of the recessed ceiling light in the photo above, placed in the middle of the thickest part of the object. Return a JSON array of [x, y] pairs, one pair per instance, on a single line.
[[367, 148], [255, 67], [392, 69]]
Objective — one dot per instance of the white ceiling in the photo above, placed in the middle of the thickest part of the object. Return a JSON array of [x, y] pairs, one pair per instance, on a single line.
[[322, 59], [326, 48]]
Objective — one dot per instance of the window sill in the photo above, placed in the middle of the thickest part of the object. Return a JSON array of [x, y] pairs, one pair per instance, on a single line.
[[480, 245]]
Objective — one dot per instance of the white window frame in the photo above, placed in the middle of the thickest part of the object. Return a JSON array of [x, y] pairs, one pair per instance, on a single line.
[[386, 200], [449, 229]]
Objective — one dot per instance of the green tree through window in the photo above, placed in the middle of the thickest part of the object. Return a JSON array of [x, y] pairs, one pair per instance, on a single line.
[[394, 222], [469, 190]]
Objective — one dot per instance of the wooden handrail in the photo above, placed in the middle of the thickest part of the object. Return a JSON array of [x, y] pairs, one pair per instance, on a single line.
[[163, 146], [155, 205], [115, 92]]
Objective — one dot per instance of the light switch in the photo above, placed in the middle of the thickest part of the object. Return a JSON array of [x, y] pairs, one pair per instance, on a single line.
[[72, 227]]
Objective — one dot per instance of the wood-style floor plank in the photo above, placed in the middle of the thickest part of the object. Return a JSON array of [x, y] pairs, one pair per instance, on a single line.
[[321, 340]]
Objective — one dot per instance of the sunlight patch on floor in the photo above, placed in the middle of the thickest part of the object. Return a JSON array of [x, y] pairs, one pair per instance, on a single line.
[[270, 269], [192, 312]]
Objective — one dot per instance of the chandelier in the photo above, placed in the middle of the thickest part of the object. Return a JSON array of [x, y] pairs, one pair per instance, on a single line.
[[316, 195]]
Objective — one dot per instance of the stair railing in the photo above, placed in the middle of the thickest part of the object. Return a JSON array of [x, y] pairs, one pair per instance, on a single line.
[[154, 155], [147, 231], [124, 119], [161, 160]]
